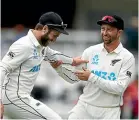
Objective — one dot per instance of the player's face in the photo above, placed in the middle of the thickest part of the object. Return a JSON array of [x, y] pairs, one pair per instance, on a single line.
[[109, 33], [49, 37]]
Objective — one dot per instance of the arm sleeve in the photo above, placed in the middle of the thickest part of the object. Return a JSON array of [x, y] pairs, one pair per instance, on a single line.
[[67, 71], [3, 74], [16, 55], [123, 80], [52, 56]]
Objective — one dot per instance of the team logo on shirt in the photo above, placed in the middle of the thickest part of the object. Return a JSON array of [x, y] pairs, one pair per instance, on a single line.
[[35, 54], [113, 62], [95, 60], [11, 54], [105, 75]]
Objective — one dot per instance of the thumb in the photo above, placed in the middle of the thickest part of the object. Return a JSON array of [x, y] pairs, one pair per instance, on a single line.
[[86, 61], [83, 68], [79, 57]]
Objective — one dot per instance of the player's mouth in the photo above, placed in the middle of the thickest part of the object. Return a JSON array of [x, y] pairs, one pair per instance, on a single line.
[[106, 37]]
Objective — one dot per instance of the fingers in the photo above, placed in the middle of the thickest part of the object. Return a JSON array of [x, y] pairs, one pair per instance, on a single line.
[[85, 61], [59, 63], [80, 76], [84, 69], [79, 57], [56, 64], [79, 72]]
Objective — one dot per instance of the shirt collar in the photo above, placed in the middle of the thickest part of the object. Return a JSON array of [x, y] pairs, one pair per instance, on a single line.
[[117, 50], [33, 38]]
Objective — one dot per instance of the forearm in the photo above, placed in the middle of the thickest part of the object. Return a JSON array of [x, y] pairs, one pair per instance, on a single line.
[[67, 74], [52, 56], [114, 87]]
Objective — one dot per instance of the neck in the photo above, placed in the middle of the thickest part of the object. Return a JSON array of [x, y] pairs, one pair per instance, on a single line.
[[112, 46], [37, 35]]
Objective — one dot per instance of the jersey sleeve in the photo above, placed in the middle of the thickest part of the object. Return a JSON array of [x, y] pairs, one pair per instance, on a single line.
[[3, 74], [67, 71], [52, 56], [123, 80], [16, 55]]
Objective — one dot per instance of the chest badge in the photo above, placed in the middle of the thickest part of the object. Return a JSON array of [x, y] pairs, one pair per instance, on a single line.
[[113, 62], [35, 54], [95, 60]]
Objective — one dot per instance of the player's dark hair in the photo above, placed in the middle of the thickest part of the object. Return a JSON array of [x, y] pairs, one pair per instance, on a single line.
[[39, 26]]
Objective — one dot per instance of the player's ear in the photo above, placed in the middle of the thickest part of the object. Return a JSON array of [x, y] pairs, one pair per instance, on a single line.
[[45, 29], [120, 32]]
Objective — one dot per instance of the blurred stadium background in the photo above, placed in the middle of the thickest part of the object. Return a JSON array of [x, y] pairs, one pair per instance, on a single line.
[[17, 17]]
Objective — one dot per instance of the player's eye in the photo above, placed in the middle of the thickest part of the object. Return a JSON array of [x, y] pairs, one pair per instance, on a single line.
[[102, 28], [56, 36]]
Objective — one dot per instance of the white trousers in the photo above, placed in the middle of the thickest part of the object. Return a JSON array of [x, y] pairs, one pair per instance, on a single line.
[[84, 111], [26, 107]]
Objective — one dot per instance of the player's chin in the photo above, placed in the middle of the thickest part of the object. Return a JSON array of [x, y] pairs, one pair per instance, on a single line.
[[46, 44], [106, 41]]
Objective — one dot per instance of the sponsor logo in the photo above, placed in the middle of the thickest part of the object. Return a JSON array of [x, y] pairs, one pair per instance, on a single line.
[[38, 104], [11, 54], [105, 75], [35, 68], [128, 73]]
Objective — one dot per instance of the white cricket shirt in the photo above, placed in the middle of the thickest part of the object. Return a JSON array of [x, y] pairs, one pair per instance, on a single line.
[[22, 63], [110, 75]]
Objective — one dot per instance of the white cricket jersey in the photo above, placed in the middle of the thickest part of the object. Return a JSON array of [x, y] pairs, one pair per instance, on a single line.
[[110, 75], [22, 63]]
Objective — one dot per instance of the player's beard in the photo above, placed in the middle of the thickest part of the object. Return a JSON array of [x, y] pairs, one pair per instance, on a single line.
[[109, 40], [45, 40]]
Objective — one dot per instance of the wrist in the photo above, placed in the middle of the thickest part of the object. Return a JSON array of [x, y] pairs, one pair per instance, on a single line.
[[0, 101], [73, 62], [92, 78]]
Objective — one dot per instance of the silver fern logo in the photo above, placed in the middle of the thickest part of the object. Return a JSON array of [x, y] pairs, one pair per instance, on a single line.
[[95, 60], [113, 62]]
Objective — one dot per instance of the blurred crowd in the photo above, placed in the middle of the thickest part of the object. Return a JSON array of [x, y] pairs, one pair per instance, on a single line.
[[50, 87]]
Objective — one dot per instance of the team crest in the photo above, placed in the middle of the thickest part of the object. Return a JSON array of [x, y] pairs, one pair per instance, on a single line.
[[113, 62], [95, 60]]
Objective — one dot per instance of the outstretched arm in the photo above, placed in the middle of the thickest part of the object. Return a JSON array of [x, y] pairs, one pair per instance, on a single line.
[[53, 56], [67, 72]]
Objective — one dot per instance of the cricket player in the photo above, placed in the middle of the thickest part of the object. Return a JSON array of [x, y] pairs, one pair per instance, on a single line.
[[21, 65], [108, 74]]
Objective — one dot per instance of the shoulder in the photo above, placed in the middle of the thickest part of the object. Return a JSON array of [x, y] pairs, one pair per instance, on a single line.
[[22, 44], [94, 48], [126, 54]]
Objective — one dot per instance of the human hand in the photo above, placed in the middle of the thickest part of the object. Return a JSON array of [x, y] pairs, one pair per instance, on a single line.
[[1, 110], [83, 75], [56, 64], [78, 61]]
